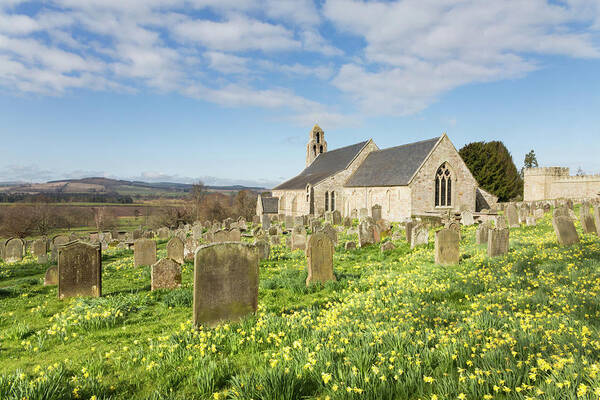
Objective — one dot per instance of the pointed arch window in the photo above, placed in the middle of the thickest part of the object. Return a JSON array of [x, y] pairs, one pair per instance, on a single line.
[[326, 201], [318, 137], [332, 201], [443, 187], [321, 150], [315, 150]]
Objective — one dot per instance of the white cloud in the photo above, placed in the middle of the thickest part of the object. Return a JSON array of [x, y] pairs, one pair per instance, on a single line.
[[226, 63], [417, 50]]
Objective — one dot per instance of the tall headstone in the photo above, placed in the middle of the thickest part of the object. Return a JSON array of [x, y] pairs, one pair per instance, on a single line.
[[564, 228], [14, 250], [419, 235], [367, 233], [144, 252], [447, 250], [266, 222], [225, 282], [165, 274], [298, 242], [330, 232], [319, 257], [176, 250], [376, 212], [587, 223], [363, 213], [498, 242], [39, 249], [512, 216], [329, 217], [79, 270], [337, 217], [481, 235]]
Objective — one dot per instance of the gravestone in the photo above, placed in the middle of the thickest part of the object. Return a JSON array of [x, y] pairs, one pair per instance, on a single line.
[[330, 232], [376, 212], [538, 213], [501, 222], [197, 232], [51, 276], [354, 213], [189, 248], [315, 224], [163, 233], [289, 222], [14, 250], [498, 242], [587, 223], [597, 218], [387, 246], [39, 249], [350, 245], [467, 218], [235, 235], [419, 235], [363, 213], [298, 242], [319, 258], [523, 213], [337, 217], [299, 222], [481, 235], [367, 233], [564, 228], [266, 222], [264, 249], [144, 252], [347, 222], [79, 270], [165, 274], [60, 240], [221, 236], [408, 230], [136, 234], [329, 217], [447, 249], [512, 216], [225, 282], [176, 250]]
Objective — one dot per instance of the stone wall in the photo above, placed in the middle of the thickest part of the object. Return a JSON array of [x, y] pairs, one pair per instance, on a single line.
[[292, 202], [463, 184], [394, 201], [553, 183]]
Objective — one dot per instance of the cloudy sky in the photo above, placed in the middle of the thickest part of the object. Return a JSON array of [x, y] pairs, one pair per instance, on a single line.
[[227, 90]]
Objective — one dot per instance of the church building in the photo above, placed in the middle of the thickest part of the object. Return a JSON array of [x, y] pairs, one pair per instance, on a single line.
[[408, 180]]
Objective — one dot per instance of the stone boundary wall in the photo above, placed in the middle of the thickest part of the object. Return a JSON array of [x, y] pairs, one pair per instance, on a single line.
[[551, 183]]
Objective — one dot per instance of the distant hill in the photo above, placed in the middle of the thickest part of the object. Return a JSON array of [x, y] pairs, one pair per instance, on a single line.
[[99, 185]]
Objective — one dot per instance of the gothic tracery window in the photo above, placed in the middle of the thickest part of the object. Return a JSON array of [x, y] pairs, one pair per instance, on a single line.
[[443, 187]]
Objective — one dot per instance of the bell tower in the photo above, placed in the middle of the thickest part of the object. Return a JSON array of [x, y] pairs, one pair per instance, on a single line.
[[316, 144]]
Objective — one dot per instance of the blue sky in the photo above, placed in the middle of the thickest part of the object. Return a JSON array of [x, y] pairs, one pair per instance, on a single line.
[[226, 91]]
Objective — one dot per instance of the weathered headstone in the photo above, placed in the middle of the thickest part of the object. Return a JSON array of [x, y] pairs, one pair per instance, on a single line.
[[501, 222], [266, 222], [79, 270], [165, 274], [337, 217], [298, 222], [564, 228], [264, 249], [39, 249], [481, 235], [530, 220], [235, 235], [298, 242], [315, 224], [467, 218], [376, 212], [387, 246], [498, 242], [163, 233], [587, 223], [354, 213], [363, 213], [221, 236], [347, 222], [176, 250], [447, 247], [289, 222], [419, 235], [14, 250], [367, 233], [225, 282], [51, 276], [189, 248], [408, 230], [144, 252], [319, 258], [512, 216], [351, 245], [329, 217], [330, 232]]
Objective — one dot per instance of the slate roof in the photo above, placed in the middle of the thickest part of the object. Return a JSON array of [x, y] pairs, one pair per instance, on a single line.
[[270, 205], [325, 165], [391, 167]]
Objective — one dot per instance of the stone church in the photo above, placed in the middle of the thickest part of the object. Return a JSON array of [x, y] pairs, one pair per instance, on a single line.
[[414, 179]]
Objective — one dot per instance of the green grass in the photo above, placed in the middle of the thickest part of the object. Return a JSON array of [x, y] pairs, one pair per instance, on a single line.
[[393, 326]]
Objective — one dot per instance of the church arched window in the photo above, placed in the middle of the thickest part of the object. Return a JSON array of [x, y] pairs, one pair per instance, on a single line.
[[443, 186], [388, 196], [332, 201], [326, 201], [315, 150], [318, 134], [321, 149], [307, 193]]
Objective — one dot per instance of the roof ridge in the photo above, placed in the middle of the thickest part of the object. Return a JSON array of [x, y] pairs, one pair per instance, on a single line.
[[408, 144], [345, 147]]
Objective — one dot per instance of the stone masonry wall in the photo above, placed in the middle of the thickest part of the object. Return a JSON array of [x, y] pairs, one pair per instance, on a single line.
[[552, 183], [395, 201]]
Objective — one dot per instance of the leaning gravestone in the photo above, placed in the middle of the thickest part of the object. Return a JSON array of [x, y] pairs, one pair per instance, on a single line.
[[175, 250], [144, 252], [39, 249], [319, 258], [419, 235], [225, 282], [51, 277], [165, 274], [376, 212], [447, 250], [587, 223], [498, 242], [13, 250], [79, 270], [565, 230], [512, 216]]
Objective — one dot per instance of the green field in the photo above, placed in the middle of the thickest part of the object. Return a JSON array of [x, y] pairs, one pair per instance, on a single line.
[[393, 326]]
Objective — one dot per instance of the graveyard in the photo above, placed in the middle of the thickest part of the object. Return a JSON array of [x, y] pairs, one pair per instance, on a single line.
[[506, 309]]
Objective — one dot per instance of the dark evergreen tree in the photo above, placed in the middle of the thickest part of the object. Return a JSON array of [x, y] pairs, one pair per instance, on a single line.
[[492, 166]]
